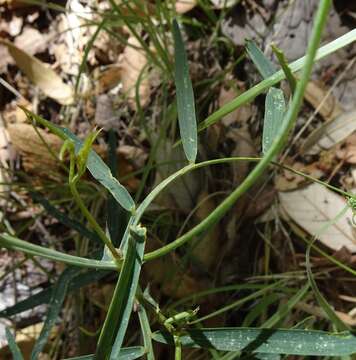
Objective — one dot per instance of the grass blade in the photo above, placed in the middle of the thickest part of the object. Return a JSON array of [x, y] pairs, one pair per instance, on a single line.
[[263, 65], [269, 341], [275, 108], [44, 296], [54, 308], [15, 350], [285, 309], [95, 164], [261, 87], [64, 218], [185, 98], [116, 322], [129, 353]]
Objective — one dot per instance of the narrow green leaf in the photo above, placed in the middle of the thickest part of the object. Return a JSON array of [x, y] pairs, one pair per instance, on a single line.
[[11, 242], [146, 332], [117, 319], [15, 350], [285, 67], [285, 309], [64, 218], [340, 325], [54, 308], [103, 175], [185, 98], [269, 341], [95, 164], [275, 108], [263, 65], [117, 217], [129, 353], [44, 296]]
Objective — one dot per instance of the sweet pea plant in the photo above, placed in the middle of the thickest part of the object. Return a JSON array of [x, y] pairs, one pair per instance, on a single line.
[[178, 330]]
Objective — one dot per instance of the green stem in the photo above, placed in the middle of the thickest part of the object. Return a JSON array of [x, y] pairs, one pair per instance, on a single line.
[[96, 227], [275, 148]]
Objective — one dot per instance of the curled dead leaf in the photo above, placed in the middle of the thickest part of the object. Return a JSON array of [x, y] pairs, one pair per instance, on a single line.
[[327, 105], [132, 63], [41, 75]]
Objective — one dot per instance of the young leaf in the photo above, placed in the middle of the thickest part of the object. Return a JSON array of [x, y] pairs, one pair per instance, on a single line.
[[275, 108], [146, 332], [15, 350], [54, 308], [269, 341], [129, 353], [185, 98], [263, 65], [285, 67], [95, 164], [120, 309]]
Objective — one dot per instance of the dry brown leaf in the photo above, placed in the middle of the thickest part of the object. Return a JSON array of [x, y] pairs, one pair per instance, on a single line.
[[330, 133], [165, 272], [183, 6], [108, 79], [314, 208], [288, 180], [319, 312], [348, 153], [35, 155], [132, 62], [41, 75], [315, 95]]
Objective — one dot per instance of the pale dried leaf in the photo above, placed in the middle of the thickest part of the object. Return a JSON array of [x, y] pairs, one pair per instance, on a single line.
[[222, 4], [316, 95], [314, 207], [330, 133], [41, 75], [183, 6], [132, 62], [35, 155], [288, 180]]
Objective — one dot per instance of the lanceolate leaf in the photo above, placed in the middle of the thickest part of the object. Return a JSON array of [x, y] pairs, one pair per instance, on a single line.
[[185, 98], [102, 173], [95, 164], [15, 351], [275, 108], [117, 319], [44, 296], [263, 65], [54, 308], [64, 218], [130, 353], [269, 341]]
